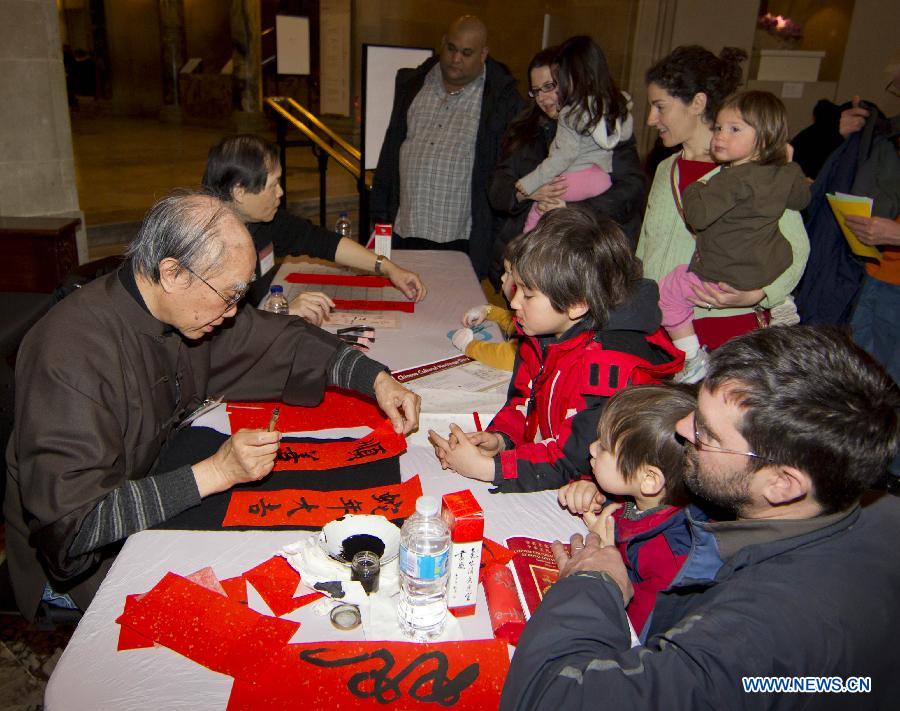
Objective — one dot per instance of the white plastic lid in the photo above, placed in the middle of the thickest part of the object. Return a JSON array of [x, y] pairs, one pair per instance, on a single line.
[[427, 506], [276, 289]]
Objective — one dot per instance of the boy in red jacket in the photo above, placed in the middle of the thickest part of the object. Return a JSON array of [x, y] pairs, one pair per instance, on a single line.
[[590, 326]]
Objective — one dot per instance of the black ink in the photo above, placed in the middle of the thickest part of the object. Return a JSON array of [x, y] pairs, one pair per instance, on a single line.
[[262, 508], [366, 448], [389, 502], [289, 455], [349, 506], [302, 504], [431, 686], [352, 545], [333, 588]]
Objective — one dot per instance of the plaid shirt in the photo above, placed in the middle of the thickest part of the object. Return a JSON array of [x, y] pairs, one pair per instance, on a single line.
[[436, 161]]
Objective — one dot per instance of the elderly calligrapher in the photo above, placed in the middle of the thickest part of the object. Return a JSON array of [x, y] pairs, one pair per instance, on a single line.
[[105, 378]]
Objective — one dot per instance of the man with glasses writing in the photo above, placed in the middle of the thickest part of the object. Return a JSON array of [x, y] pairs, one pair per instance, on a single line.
[[792, 426], [104, 379]]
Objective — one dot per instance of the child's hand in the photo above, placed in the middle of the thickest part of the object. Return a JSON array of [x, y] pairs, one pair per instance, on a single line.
[[475, 315], [580, 497], [461, 455], [604, 525]]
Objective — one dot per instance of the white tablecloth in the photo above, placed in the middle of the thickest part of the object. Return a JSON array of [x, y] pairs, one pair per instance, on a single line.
[[92, 675]]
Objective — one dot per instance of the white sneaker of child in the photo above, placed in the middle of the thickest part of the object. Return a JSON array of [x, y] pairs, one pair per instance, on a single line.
[[695, 369]]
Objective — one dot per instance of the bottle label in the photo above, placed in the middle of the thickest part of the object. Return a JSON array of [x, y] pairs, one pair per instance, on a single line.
[[424, 567]]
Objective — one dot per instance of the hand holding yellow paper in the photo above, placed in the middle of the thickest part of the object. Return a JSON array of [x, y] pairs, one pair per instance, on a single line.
[[843, 205]]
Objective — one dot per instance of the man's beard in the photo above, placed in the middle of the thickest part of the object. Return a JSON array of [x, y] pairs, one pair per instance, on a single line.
[[729, 490]]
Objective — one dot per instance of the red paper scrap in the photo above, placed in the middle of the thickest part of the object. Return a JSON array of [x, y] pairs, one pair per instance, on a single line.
[[236, 589], [374, 282], [128, 638], [206, 577], [492, 553], [206, 627], [373, 305], [376, 675], [381, 443], [339, 408], [307, 507], [507, 617], [276, 582]]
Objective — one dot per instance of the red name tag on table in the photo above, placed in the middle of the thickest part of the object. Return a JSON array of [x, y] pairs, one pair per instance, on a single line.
[[305, 507]]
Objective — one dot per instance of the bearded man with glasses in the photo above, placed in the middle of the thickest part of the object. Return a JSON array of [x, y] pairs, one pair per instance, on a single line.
[[104, 380], [792, 426]]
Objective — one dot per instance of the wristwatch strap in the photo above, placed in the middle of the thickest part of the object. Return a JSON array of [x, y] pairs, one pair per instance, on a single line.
[[379, 260]]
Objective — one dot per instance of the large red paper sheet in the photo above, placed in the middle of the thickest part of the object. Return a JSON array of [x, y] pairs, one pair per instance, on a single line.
[[376, 675], [374, 305], [205, 626], [310, 508], [339, 408]]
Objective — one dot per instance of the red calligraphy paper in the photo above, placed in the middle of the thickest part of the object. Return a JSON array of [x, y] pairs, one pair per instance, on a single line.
[[376, 675], [381, 443], [507, 617], [374, 282], [374, 305], [206, 627], [128, 638], [492, 553], [339, 408], [310, 508], [276, 582]]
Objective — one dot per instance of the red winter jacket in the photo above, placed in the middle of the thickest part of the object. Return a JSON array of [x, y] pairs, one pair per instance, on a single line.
[[560, 386]]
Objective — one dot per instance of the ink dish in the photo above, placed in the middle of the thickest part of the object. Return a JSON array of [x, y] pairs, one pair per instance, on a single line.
[[347, 536]]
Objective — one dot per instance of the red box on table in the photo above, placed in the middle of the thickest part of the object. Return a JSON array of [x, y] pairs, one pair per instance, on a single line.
[[463, 515]]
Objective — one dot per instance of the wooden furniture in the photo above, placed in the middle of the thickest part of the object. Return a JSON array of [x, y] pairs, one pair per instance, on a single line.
[[36, 253]]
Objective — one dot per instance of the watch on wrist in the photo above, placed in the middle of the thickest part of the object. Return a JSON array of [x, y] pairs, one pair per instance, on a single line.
[[379, 261]]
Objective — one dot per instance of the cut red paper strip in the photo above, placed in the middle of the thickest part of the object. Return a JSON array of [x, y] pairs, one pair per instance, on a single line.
[[376, 675], [310, 508], [128, 638], [339, 408], [374, 282], [206, 627], [381, 443], [276, 582], [206, 577], [373, 305]]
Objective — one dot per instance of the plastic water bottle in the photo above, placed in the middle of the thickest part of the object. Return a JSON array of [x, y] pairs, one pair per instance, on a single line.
[[424, 570], [343, 226], [275, 302]]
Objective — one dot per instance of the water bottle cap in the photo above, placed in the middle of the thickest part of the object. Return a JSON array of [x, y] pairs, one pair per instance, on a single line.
[[276, 289], [343, 213], [427, 506]]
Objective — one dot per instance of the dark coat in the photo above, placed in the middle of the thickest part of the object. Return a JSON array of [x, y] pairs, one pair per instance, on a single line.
[[823, 602], [499, 104], [101, 385], [623, 202]]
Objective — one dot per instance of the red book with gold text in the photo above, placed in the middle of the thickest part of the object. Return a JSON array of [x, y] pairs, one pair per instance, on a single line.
[[535, 569]]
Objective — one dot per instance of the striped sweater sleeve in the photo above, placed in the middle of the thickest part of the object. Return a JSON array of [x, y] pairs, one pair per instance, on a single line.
[[135, 506]]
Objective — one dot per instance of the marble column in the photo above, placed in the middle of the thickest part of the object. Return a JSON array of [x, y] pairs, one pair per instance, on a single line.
[[173, 54], [37, 171], [247, 64]]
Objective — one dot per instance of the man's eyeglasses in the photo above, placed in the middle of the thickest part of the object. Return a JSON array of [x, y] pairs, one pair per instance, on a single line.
[[700, 445], [229, 300], [542, 89]]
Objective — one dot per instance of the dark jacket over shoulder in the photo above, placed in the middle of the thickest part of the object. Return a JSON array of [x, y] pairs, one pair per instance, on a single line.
[[623, 202], [101, 385], [818, 603], [499, 104]]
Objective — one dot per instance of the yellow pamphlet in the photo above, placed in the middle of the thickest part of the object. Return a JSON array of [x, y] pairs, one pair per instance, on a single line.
[[843, 205]]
